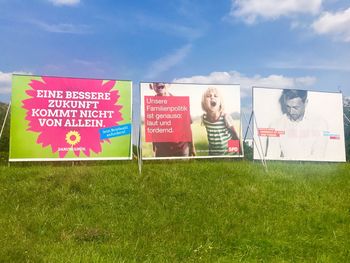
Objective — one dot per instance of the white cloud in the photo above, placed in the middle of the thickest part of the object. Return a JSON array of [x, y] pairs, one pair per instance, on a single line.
[[165, 63], [62, 27], [250, 10], [334, 24], [234, 77], [65, 2], [6, 80]]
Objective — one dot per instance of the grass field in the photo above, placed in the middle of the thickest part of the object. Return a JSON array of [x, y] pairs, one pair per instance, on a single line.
[[183, 211]]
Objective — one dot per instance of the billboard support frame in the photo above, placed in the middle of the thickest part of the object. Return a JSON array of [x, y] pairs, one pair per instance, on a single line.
[[252, 117], [5, 119], [346, 118], [139, 150]]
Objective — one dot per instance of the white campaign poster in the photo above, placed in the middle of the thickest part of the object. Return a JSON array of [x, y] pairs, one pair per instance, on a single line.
[[298, 125]]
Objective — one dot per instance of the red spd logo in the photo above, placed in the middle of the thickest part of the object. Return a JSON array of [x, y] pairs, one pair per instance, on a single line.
[[233, 146]]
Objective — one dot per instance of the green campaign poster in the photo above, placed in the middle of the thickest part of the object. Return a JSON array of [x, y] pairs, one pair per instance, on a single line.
[[67, 119]]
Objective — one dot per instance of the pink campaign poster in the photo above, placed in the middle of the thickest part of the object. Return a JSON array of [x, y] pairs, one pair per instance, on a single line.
[[190, 121], [55, 118]]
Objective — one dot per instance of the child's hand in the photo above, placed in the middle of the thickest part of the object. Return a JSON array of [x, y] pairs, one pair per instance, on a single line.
[[192, 151]]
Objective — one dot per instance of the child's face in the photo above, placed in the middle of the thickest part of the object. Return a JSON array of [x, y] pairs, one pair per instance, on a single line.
[[212, 101], [160, 89]]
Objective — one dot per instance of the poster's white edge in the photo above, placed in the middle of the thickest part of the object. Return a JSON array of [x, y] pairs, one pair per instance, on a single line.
[[131, 119], [192, 158], [68, 159], [303, 160]]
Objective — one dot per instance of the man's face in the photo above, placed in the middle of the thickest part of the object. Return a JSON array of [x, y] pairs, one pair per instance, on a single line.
[[160, 89], [295, 109]]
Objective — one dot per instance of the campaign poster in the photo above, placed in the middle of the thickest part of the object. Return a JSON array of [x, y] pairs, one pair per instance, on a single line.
[[190, 121], [299, 125], [67, 119]]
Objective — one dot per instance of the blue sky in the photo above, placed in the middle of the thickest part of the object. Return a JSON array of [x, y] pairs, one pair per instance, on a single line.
[[272, 43]]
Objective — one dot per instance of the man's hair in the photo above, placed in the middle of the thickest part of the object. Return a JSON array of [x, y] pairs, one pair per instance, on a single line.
[[289, 94]]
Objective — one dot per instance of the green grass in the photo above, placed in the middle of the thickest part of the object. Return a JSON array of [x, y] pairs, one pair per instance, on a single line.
[[176, 211]]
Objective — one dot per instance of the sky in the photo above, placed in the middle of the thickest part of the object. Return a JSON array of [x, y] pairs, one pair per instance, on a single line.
[[270, 43]]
